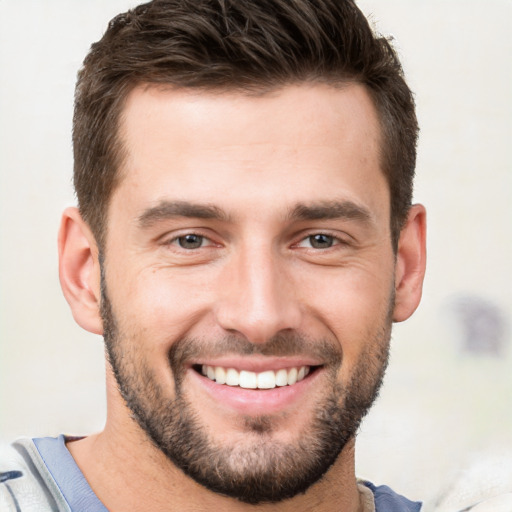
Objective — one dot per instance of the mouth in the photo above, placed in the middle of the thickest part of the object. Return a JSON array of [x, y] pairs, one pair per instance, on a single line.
[[268, 379], [257, 386]]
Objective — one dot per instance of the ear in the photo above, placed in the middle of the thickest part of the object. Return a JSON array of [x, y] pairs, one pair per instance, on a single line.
[[79, 271], [410, 264]]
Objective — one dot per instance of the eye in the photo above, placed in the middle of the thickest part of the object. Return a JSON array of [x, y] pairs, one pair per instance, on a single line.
[[319, 241], [190, 241]]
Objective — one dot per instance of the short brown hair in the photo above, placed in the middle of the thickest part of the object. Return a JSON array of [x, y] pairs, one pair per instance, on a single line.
[[246, 45]]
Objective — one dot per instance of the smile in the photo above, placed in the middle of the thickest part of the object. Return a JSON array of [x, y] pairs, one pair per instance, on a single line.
[[268, 379]]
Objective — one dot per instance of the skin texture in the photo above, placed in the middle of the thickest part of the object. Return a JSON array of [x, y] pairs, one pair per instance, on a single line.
[[255, 178]]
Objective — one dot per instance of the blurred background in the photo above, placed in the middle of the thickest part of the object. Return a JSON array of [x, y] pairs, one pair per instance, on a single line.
[[447, 401]]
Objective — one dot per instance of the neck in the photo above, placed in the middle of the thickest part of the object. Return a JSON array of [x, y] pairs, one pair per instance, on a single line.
[[123, 457], [150, 482]]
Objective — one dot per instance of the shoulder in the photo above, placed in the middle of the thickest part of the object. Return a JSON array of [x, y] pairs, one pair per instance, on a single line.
[[483, 485], [500, 503], [387, 500], [25, 483]]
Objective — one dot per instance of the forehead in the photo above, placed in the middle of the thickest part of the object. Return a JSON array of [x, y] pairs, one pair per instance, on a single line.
[[300, 139]]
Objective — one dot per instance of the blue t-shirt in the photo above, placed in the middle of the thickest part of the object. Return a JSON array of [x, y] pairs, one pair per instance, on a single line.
[[67, 475], [79, 495]]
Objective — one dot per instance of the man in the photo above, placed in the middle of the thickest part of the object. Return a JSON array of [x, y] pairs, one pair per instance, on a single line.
[[244, 240]]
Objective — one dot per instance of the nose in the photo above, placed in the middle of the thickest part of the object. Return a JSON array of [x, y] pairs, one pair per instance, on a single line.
[[258, 298]]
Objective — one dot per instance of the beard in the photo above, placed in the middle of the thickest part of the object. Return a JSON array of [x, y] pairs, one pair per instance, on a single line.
[[261, 469]]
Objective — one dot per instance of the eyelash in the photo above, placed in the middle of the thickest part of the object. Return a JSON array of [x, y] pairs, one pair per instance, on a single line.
[[332, 239], [176, 241], [204, 241]]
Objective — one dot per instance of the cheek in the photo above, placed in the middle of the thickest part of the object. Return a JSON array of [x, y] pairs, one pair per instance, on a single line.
[[354, 306], [162, 305]]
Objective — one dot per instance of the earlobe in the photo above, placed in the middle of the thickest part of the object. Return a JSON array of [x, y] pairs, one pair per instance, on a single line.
[[79, 270], [410, 264]]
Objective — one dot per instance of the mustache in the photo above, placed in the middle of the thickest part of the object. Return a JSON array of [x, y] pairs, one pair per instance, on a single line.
[[187, 350]]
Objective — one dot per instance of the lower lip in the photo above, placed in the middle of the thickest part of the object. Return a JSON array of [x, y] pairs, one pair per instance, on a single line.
[[255, 401]]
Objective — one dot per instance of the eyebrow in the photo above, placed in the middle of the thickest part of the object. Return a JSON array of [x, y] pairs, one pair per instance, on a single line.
[[326, 210], [173, 209]]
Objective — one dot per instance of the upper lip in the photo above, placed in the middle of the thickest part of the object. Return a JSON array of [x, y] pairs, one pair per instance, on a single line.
[[258, 364]]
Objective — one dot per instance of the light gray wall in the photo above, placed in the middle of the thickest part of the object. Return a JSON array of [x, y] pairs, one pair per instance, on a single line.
[[448, 392]]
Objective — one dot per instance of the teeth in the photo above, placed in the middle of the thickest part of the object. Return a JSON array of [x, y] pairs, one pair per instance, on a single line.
[[282, 378], [220, 375], [210, 372], [232, 377], [266, 380], [292, 376], [250, 380]]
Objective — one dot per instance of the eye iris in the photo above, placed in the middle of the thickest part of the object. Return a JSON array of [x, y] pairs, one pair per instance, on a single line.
[[190, 241], [321, 241]]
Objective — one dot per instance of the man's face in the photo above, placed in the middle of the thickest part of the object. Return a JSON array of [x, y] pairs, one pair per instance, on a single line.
[[248, 280]]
